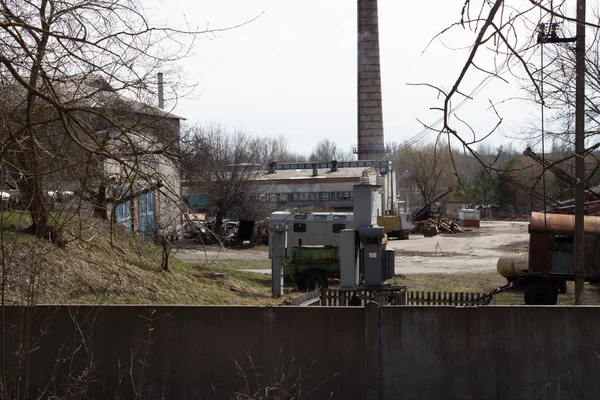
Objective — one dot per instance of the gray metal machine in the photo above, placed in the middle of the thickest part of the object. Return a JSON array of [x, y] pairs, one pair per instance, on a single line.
[[365, 261], [376, 262]]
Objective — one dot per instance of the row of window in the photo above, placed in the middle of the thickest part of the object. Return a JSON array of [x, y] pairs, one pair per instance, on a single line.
[[300, 227], [320, 217], [305, 196], [340, 164]]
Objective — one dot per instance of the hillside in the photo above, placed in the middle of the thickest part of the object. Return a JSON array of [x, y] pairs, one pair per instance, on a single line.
[[96, 263]]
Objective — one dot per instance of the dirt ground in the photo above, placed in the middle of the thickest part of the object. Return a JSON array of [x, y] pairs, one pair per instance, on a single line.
[[471, 251], [475, 250]]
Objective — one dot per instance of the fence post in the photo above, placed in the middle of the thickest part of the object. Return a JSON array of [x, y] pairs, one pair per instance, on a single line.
[[401, 299], [372, 349]]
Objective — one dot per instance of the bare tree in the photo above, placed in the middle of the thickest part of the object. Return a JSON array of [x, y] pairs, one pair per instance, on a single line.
[[508, 33], [277, 149], [553, 74], [426, 167], [225, 166], [326, 150], [74, 76]]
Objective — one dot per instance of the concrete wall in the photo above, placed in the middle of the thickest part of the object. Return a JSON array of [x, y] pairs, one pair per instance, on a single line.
[[490, 353], [375, 353], [194, 349]]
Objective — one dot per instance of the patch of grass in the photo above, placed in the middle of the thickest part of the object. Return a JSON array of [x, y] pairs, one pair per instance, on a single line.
[[464, 282], [233, 264], [14, 220]]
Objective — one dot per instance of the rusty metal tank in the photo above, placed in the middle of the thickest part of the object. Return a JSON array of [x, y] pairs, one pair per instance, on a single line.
[[513, 265]]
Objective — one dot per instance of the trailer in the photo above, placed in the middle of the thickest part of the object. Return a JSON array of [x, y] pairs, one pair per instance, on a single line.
[[549, 264], [310, 228]]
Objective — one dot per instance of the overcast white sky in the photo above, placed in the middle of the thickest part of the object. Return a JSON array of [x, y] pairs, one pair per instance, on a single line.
[[292, 72]]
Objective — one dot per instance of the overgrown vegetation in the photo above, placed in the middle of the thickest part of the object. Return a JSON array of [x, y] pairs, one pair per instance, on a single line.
[[96, 269]]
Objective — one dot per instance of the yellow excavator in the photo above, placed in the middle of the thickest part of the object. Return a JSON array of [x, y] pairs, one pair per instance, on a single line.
[[395, 225]]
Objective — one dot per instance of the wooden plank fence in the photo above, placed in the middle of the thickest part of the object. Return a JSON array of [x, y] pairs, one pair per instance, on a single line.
[[305, 299], [399, 296], [423, 298], [338, 297]]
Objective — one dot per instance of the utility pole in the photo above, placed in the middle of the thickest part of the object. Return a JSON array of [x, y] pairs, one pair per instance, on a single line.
[[579, 251]]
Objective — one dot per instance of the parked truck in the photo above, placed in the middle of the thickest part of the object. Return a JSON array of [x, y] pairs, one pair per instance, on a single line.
[[395, 226]]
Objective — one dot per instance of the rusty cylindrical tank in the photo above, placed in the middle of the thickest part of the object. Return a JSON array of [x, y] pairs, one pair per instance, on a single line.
[[513, 265]]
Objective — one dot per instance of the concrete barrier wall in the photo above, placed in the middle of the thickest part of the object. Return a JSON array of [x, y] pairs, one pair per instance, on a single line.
[[388, 353], [193, 349], [490, 353]]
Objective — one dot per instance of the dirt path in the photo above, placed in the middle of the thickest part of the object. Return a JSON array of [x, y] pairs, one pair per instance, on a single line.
[[477, 250]]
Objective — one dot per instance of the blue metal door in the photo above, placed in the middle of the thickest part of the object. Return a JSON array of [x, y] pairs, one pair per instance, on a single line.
[[147, 213], [123, 210]]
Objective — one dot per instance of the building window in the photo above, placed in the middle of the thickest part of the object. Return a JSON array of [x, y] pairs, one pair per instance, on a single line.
[[299, 227], [337, 228], [302, 196]]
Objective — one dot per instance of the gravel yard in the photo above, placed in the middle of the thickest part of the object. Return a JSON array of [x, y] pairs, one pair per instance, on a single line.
[[471, 251]]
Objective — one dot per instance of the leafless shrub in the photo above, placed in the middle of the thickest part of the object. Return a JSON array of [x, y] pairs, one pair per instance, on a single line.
[[284, 382]]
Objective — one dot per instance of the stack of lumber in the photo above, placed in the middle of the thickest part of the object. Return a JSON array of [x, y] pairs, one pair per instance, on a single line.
[[431, 227]]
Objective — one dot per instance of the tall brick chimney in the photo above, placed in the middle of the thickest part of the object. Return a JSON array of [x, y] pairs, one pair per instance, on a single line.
[[370, 112]]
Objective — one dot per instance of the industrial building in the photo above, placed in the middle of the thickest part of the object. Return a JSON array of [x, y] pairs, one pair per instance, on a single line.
[[323, 186]]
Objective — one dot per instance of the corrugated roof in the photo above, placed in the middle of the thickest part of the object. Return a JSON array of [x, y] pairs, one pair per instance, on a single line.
[[322, 173]]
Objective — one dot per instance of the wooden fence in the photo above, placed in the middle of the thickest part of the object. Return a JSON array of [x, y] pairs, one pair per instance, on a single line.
[[417, 298], [396, 296], [338, 297], [305, 299]]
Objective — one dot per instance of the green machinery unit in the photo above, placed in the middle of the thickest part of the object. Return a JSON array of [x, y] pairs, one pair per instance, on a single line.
[[313, 265]]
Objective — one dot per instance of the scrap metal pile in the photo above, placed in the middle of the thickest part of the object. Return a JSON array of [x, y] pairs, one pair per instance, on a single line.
[[431, 227]]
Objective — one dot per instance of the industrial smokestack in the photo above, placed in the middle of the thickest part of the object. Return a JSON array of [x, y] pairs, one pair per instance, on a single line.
[[370, 111], [161, 92]]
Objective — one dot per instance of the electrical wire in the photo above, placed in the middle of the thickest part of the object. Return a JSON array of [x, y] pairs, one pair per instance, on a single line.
[[480, 86]]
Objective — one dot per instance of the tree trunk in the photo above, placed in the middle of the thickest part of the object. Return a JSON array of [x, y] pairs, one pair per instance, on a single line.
[[32, 193], [218, 222], [100, 209]]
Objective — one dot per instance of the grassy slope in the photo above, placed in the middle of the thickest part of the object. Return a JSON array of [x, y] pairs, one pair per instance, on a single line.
[[92, 268]]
